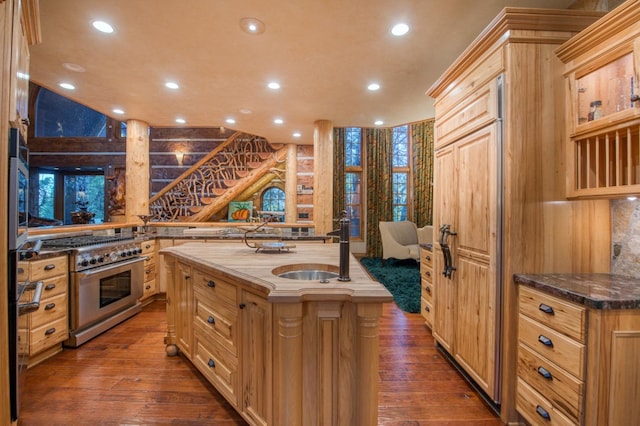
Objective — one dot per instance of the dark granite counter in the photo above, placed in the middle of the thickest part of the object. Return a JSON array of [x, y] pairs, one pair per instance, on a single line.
[[599, 291]]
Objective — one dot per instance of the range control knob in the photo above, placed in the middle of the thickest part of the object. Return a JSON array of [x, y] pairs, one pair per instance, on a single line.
[[113, 256]]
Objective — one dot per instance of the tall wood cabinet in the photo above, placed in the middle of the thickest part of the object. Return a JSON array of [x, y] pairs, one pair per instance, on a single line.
[[499, 191]]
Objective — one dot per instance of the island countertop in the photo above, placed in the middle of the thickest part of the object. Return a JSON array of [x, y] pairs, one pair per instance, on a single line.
[[256, 269], [599, 291]]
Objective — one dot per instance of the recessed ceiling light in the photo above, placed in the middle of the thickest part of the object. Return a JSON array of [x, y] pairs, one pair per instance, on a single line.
[[278, 121], [632, 198], [230, 121], [373, 87], [274, 85], [297, 134], [118, 111], [67, 86], [252, 26], [171, 85], [400, 29], [102, 27], [74, 67], [180, 120], [378, 122]]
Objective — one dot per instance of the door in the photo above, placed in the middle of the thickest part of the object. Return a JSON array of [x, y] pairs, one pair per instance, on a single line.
[[184, 311], [465, 198]]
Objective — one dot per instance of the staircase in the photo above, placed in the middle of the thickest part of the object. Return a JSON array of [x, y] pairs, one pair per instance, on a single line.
[[218, 178]]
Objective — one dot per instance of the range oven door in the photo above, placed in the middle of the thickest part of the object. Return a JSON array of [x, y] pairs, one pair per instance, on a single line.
[[97, 294]]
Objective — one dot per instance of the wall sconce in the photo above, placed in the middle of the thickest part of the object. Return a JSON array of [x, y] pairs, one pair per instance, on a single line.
[[179, 157]]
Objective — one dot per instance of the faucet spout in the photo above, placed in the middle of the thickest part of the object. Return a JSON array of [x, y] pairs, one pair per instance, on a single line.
[[343, 233]]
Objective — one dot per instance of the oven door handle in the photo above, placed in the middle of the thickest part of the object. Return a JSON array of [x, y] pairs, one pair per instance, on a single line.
[[34, 304], [115, 265]]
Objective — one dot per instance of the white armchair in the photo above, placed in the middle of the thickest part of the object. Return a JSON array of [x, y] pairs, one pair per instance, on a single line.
[[399, 240]]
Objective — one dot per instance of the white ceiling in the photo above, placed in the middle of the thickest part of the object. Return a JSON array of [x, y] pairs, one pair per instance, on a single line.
[[324, 53]]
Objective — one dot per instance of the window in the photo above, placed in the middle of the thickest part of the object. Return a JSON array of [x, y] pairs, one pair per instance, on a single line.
[[45, 205], [57, 116], [273, 201], [353, 179], [400, 173], [84, 192]]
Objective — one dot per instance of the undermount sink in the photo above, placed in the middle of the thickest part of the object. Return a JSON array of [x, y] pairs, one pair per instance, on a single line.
[[307, 272]]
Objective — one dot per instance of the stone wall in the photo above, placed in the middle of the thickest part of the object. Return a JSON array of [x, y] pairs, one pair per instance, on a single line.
[[625, 237]]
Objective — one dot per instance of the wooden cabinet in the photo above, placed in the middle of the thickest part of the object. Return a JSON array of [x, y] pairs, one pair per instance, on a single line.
[[499, 190], [603, 107], [576, 365], [426, 283], [42, 332], [149, 286]]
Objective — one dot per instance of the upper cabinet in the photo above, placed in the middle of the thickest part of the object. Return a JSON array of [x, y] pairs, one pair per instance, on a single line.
[[601, 67]]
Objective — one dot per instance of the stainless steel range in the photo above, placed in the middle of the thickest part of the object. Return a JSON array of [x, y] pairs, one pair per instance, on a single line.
[[106, 279]]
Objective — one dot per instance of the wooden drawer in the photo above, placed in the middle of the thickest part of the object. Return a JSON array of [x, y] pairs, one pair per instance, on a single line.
[[215, 288], [563, 391], [537, 410], [46, 268], [562, 316], [427, 273], [426, 258], [148, 248], [51, 287], [149, 273], [149, 288], [218, 320], [150, 261], [560, 349], [48, 335], [217, 365], [427, 290], [50, 310], [426, 309]]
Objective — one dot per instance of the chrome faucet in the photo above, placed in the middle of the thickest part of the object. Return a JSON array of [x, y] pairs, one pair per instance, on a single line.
[[343, 232]]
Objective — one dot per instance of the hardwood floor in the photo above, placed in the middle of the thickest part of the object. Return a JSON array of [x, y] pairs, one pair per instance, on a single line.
[[123, 377]]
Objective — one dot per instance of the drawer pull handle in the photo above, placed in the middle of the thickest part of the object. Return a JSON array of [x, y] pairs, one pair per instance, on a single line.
[[211, 283], [428, 289], [426, 308], [427, 274], [148, 246], [211, 320], [242, 306], [545, 373], [49, 267], [147, 287], [50, 331], [147, 271], [428, 258], [546, 309], [50, 286], [543, 413], [49, 306], [545, 341], [211, 363]]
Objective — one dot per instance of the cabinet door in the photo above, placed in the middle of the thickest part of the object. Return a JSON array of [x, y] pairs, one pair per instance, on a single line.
[[184, 309], [475, 256], [256, 358], [444, 213]]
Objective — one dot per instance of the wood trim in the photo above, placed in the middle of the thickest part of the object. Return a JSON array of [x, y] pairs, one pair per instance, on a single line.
[[31, 21]]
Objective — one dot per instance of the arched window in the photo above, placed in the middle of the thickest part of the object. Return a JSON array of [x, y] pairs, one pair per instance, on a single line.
[[57, 116], [273, 201]]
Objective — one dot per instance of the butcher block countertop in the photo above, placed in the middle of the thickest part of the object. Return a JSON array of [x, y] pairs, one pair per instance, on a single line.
[[255, 268]]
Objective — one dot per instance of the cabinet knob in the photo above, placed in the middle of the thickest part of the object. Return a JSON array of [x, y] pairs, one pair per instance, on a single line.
[[147, 287], [543, 413], [242, 306], [211, 320], [211, 283], [426, 308], [427, 274], [428, 257], [50, 331], [50, 286], [545, 341], [428, 289], [211, 363], [49, 267], [49, 306], [546, 309]]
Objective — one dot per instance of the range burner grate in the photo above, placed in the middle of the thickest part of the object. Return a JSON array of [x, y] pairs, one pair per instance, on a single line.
[[82, 241]]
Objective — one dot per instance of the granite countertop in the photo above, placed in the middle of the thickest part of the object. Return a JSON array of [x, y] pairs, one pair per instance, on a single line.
[[256, 270], [599, 291]]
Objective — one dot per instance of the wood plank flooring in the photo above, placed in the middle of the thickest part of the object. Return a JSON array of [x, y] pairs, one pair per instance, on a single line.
[[123, 377]]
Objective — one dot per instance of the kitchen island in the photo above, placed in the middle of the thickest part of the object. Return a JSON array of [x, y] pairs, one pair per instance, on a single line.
[[280, 350]]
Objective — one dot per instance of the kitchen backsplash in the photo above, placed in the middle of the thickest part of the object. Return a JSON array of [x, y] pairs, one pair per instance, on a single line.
[[625, 237]]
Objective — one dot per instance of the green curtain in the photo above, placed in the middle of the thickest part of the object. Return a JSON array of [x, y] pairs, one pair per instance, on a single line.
[[339, 201], [378, 147], [422, 140]]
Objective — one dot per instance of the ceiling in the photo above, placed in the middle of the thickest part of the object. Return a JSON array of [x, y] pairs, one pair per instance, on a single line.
[[323, 53]]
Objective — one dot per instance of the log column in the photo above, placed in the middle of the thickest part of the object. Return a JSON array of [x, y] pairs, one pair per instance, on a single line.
[[137, 182], [291, 184], [323, 177]]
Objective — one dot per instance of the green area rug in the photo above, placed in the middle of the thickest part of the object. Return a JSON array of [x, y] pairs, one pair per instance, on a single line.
[[400, 277]]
